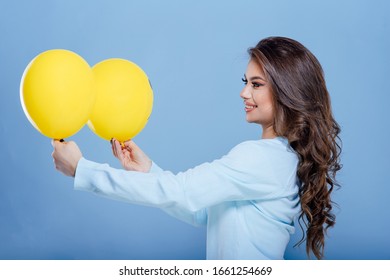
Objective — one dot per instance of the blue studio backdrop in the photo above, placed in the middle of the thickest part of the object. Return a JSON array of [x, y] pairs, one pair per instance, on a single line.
[[194, 53]]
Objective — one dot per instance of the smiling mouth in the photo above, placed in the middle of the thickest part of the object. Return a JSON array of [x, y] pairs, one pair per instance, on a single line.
[[250, 107]]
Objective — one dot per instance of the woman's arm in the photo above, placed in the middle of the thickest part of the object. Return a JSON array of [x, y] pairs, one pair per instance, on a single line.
[[194, 218], [67, 155], [251, 171]]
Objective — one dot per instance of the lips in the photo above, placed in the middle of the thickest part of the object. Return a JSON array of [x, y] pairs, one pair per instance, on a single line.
[[249, 107]]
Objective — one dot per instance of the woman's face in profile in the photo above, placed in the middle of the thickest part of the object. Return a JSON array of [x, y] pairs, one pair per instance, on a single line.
[[257, 96]]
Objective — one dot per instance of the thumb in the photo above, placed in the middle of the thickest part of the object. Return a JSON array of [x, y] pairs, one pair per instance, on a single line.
[[132, 147], [129, 144], [56, 142]]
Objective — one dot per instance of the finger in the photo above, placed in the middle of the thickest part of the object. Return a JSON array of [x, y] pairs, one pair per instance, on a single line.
[[55, 143], [131, 146], [118, 150], [113, 146], [134, 149], [58, 141], [55, 150], [128, 142]]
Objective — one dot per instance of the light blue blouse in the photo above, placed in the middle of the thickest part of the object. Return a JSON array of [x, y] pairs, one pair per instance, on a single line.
[[248, 199]]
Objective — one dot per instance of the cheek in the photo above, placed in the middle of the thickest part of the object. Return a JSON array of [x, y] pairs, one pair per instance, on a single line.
[[267, 112], [265, 105], [264, 101]]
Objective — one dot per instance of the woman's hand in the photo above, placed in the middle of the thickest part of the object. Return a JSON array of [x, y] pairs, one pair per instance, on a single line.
[[131, 156], [66, 156]]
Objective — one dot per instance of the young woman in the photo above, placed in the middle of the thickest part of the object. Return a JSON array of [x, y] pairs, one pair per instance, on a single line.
[[249, 198]]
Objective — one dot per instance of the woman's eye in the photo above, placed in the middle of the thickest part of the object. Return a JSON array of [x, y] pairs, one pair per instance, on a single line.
[[244, 80], [256, 85]]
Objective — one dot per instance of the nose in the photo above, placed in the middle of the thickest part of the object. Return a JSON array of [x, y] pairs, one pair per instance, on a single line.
[[245, 93]]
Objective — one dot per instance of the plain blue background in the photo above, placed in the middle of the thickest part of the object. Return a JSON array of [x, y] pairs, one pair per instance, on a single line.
[[194, 53]]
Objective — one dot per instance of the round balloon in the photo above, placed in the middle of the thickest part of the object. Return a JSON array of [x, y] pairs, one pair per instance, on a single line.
[[124, 99], [56, 93]]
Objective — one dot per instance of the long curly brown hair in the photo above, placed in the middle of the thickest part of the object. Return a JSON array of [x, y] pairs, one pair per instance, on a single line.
[[304, 116]]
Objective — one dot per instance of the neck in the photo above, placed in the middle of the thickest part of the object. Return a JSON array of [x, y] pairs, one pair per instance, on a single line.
[[268, 132]]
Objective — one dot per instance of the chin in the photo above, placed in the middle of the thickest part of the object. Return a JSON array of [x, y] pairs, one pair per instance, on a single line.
[[254, 121], [251, 120]]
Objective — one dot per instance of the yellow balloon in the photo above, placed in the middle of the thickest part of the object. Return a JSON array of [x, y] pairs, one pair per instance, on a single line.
[[56, 93], [124, 99]]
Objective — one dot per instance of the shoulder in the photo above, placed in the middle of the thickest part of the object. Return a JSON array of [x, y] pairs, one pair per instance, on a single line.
[[267, 155], [260, 163], [265, 147]]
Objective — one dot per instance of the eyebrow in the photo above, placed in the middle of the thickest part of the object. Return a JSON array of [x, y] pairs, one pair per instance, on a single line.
[[255, 78]]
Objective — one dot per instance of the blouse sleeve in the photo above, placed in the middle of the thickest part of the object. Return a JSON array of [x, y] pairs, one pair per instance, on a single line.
[[194, 218], [250, 171]]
